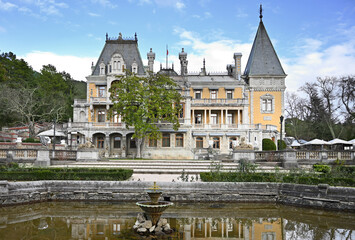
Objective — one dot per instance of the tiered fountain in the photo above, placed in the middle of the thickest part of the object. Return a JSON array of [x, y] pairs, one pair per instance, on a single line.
[[154, 208]]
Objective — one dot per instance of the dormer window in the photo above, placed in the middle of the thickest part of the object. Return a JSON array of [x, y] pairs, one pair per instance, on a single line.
[[117, 64], [102, 68], [134, 67]]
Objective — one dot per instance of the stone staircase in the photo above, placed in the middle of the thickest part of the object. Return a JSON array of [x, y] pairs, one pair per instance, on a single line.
[[163, 166]]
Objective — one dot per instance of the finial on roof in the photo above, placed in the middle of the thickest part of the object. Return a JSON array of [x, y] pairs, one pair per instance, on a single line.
[[135, 37], [261, 13], [204, 63], [106, 36]]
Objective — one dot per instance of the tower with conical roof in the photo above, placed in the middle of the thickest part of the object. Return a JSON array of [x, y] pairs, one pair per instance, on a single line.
[[265, 78]]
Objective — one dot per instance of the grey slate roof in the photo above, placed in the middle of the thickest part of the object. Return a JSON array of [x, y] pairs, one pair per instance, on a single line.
[[127, 48], [263, 59]]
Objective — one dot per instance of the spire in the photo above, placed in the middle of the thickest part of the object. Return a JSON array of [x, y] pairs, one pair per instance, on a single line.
[[263, 59], [261, 13]]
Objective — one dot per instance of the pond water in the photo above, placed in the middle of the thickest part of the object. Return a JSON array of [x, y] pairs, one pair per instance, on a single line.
[[253, 221]]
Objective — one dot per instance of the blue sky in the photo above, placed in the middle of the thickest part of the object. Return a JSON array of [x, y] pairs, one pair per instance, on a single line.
[[311, 38]]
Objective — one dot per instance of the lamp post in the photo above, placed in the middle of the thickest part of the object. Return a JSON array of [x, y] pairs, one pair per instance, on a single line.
[[53, 154], [281, 120]]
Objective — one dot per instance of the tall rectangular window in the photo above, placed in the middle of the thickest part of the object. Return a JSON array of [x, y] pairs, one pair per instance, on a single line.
[[267, 105], [152, 142], [100, 142], [199, 142], [166, 140], [117, 142], [231, 142], [216, 143], [102, 91], [132, 143], [198, 118], [179, 140], [214, 119], [101, 116], [229, 94], [198, 94], [214, 94], [229, 118]]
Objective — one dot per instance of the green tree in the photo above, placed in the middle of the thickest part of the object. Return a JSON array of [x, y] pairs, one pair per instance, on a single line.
[[143, 102]]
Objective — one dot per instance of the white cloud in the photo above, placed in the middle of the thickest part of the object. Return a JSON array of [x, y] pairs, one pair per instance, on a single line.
[[2, 29], [105, 3], [217, 53], [179, 5], [6, 6], [94, 14], [78, 67], [313, 61]]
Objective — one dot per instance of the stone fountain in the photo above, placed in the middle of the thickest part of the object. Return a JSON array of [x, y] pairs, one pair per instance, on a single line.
[[153, 209]]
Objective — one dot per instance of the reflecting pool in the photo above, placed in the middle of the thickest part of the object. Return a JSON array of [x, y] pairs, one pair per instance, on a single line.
[[253, 221]]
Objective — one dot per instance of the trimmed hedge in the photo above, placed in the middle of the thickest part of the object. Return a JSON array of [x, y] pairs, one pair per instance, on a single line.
[[33, 174], [268, 145], [310, 179]]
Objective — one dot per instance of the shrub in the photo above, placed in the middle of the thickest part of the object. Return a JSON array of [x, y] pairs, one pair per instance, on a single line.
[[33, 174], [321, 168], [281, 145], [268, 145], [31, 140]]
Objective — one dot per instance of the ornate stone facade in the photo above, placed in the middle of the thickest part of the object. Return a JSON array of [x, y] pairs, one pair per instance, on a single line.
[[218, 110]]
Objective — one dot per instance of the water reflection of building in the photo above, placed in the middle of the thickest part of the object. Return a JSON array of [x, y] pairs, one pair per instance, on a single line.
[[186, 228], [99, 228], [230, 228]]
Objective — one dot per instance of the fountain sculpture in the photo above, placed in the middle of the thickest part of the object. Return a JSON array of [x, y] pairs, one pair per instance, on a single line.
[[153, 209]]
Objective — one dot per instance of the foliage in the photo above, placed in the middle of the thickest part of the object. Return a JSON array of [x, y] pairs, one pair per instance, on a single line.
[[321, 168], [268, 145], [28, 96], [32, 174], [339, 176], [326, 112], [281, 145], [31, 140], [245, 166], [143, 102]]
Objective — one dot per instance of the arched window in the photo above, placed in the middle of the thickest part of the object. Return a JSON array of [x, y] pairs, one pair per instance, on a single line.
[[117, 63], [134, 67]]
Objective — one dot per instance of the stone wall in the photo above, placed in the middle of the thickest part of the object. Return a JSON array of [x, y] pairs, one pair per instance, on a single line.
[[321, 196]]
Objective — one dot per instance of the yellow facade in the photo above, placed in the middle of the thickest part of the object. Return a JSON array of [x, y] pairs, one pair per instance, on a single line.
[[238, 93], [259, 117]]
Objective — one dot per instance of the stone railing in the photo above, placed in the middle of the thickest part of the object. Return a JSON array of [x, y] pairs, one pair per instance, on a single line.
[[18, 155], [294, 158], [63, 155], [218, 101]]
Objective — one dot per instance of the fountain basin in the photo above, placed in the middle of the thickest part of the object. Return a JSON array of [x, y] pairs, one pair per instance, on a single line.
[[150, 207], [154, 210]]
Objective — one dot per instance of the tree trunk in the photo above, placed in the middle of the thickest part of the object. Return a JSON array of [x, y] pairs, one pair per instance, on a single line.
[[31, 129], [139, 147]]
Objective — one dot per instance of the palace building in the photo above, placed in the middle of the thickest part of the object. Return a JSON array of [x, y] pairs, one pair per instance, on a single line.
[[220, 111]]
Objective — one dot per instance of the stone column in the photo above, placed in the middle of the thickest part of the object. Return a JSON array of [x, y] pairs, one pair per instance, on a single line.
[[187, 116], [43, 159], [205, 116], [290, 160], [222, 116], [124, 146]]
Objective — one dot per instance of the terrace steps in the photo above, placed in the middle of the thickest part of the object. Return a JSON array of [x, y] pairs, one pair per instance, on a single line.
[[164, 166]]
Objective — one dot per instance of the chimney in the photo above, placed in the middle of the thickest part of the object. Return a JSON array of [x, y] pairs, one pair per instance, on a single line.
[[238, 65]]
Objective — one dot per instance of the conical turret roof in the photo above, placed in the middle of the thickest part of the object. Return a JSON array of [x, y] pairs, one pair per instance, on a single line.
[[263, 59]]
